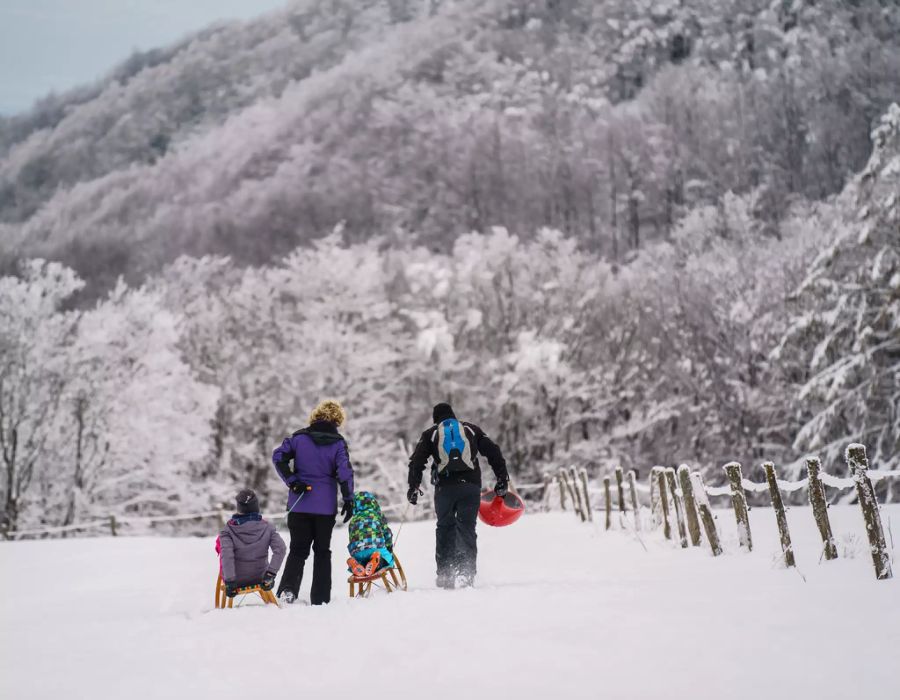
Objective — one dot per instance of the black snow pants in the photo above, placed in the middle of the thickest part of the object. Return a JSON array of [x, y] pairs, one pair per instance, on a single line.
[[308, 529], [456, 506]]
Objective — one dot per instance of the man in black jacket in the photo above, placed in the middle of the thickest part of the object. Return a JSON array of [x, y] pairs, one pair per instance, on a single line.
[[454, 447]]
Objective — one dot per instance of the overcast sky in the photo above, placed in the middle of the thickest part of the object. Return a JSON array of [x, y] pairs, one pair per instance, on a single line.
[[52, 45]]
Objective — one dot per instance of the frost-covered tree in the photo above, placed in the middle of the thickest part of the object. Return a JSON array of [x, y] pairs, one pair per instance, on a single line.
[[276, 340], [139, 416], [36, 369], [848, 318], [99, 412], [503, 329]]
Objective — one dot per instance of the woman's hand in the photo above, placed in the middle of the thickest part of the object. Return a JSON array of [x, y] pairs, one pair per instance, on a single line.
[[347, 510], [300, 487]]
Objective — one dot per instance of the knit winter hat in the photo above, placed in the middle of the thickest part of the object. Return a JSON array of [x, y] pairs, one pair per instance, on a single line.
[[247, 502], [442, 412]]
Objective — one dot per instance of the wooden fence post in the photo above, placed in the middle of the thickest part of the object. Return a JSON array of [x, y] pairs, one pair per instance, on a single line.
[[820, 506], [547, 480], [705, 512], [690, 505], [664, 503], [587, 495], [739, 503], [573, 493], [632, 486], [679, 511], [655, 516], [607, 504], [562, 492], [112, 525], [859, 465], [780, 517], [620, 490]]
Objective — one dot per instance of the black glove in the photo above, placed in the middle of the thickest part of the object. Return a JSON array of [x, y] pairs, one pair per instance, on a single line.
[[268, 581], [413, 495], [347, 510], [284, 468], [502, 488], [300, 487], [231, 589]]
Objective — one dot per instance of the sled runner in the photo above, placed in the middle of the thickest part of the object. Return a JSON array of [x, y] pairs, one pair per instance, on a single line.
[[223, 601], [361, 586], [500, 511]]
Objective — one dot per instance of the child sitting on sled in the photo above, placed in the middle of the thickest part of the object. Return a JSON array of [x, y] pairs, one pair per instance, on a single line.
[[371, 540], [243, 547]]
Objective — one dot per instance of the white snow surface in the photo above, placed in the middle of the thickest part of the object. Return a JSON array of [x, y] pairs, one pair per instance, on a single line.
[[561, 610]]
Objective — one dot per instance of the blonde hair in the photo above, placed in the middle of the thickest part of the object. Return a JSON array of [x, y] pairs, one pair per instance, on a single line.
[[329, 410]]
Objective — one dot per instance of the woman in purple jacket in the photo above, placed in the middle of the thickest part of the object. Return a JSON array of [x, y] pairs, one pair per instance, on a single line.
[[321, 463]]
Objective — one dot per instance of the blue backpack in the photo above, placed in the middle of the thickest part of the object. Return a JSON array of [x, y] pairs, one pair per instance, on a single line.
[[454, 447]]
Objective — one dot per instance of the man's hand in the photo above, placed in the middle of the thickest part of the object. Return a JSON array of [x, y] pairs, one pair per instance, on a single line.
[[413, 495], [347, 510], [268, 581], [300, 487], [231, 589], [502, 488]]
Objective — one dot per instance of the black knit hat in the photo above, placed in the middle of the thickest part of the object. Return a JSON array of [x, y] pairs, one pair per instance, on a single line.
[[247, 502], [442, 412]]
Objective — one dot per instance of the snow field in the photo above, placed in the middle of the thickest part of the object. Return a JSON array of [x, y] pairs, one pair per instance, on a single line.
[[562, 610]]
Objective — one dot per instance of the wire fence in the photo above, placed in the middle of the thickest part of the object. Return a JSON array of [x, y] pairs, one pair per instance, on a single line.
[[679, 503], [116, 523]]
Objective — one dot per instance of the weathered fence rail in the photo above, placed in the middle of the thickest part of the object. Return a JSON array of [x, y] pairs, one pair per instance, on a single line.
[[114, 523]]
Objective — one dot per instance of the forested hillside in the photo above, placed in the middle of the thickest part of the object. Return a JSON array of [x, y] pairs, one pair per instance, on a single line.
[[724, 342], [426, 120], [637, 233]]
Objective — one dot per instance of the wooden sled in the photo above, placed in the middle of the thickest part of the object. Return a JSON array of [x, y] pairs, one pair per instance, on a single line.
[[223, 601], [361, 587]]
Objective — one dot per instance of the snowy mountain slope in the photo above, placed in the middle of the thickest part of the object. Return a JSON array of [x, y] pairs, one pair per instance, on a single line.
[[436, 118], [561, 610]]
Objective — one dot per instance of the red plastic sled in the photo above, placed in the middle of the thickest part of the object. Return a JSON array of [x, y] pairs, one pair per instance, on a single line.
[[500, 512]]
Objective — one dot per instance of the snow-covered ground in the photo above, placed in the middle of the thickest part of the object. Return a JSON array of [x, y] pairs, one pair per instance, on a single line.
[[561, 610]]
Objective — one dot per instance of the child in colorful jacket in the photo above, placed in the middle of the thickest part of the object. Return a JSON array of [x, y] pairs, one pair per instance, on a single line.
[[371, 540]]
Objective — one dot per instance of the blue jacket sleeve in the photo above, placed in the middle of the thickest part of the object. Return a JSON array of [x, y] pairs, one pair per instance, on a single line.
[[281, 458], [344, 471]]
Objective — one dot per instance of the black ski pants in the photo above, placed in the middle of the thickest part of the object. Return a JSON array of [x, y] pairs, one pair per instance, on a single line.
[[456, 506], [309, 530]]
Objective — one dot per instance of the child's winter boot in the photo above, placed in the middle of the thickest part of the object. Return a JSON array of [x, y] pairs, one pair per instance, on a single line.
[[356, 568], [374, 563]]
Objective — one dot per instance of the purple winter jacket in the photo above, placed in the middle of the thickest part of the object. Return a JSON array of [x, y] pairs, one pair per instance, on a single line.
[[321, 460], [244, 549]]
